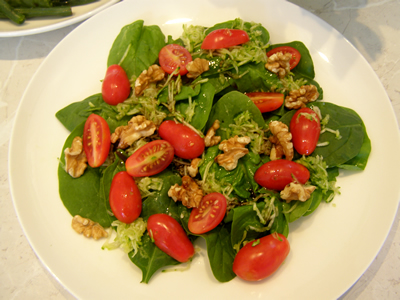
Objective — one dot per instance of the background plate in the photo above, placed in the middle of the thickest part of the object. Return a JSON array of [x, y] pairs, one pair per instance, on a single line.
[[329, 249]]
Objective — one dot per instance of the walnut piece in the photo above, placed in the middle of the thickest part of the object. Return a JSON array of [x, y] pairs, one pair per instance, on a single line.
[[193, 169], [297, 191], [281, 141], [197, 67], [137, 127], [211, 139], [88, 227], [75, 158], [278, 63], [153, 74], [189, 192], [300, 97], [234, 148]]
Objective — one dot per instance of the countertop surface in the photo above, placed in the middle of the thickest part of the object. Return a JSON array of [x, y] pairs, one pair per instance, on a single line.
[[372, 26]]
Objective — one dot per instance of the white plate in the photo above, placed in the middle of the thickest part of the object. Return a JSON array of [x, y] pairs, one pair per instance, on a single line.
[[40, 25], [330, 249]]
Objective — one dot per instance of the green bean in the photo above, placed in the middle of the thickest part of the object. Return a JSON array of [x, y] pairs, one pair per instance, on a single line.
[[10, 13], [30, 3], [42, 12]]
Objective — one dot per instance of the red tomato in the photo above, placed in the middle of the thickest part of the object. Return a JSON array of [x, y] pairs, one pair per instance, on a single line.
[[287, 49], [150, 159], [116, 86], [209, 214], [96, 140], [266, 101], [173, 56], [224, 38], [169, 236], [305, 128], [186, 142], [276, 174], [125, 199], [260, 258]]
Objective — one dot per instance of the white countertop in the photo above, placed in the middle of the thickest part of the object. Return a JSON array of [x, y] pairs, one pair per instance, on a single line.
[[372, 26]]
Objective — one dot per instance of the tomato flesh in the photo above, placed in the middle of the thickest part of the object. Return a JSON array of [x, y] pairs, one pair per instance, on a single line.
[[116, 86], [276, 174], [173, 56], [169, 236], [260, 258], [150, 159], [186, 142], [296, 56], [124, 197], [224, 38], [305, 128], [266, 101], [209, 214], [96, 140]]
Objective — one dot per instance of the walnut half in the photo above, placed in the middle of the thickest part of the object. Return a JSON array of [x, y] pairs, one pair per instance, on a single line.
[[281, 141], [279, 63], [297, 191], [234, 148], [153, 74], [300, 97], [211, 139], [75, 158], [189, 192], [88, 228], [197, 67]]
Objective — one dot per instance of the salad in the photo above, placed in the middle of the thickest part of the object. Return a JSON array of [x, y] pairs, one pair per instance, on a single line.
[[217, 135]]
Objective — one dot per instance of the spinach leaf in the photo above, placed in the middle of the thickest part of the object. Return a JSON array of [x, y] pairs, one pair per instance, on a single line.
[[82, 196], [136, 48], [77, 112], [296, 209], [150, 258], [220, 253], [188, 91]]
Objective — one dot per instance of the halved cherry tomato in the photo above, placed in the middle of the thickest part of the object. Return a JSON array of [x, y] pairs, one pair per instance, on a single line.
[[186, 142], [169, 236], [96, 140], [150, 159], [116, 86], [209, 214], [266, 101], [276, 174], [287, 49], [305, 128], [173, 56], [124, 197], [224, 38], [260, 258]]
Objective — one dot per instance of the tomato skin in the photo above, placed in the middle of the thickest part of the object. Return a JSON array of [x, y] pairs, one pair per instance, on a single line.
[[124, 197], [169, 236], [276, 174], [266, 101], [97, 145], [150, 159], [209, 214], [172, 56], [296, 56], [224, 38], [186, 142], [116, 86], [305, 128], [260, 258]]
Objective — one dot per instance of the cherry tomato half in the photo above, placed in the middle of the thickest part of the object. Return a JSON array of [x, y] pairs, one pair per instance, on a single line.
[[209, 214], [173, 56], [287, 49], [169, 236], [116, 86], [186, 142], [96, 140], [150, 159], [260, 258], [224, 38], [276, 174], [266, 101], [305, 128], [124, 197]]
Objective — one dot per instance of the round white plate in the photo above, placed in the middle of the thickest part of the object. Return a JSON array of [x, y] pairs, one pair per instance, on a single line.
[[40, 25], [330, 249]]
